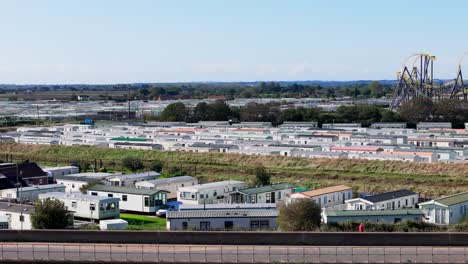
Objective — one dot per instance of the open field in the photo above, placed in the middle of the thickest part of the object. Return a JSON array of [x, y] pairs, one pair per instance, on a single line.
[[365, 176], [143, 222]]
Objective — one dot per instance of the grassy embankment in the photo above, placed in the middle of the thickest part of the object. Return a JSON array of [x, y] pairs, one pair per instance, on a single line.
[[365, 176]]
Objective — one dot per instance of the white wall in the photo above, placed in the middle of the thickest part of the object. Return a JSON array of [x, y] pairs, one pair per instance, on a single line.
[[219, 223], [14, 220]]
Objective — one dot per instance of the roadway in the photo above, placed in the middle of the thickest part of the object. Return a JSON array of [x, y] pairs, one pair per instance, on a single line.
[[148, 253]]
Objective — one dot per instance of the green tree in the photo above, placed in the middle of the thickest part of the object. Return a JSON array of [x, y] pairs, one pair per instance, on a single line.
[[132, 163], [50, 214], [176, 112], [416, 110], [299, 215], [262, 177], [376, 89]]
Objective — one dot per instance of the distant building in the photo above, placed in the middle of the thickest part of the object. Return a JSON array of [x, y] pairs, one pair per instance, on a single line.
[[376, 216], [388, 125], [433, 125], [221, 220]]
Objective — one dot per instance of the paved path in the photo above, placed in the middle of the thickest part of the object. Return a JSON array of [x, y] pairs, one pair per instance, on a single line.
[[143, 253]]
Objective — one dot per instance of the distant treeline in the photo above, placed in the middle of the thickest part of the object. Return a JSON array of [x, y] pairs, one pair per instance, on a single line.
[[358, 89], [411, 112]]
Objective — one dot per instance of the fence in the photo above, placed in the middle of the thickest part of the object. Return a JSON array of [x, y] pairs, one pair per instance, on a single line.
[[440, 239], [119, 253]]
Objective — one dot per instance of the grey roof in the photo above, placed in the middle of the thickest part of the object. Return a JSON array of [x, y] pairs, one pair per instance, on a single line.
[[221, 213], [137, 175], [171, 180], [77, 178], [16, 208], [117, 189], [388, 196], [223, 206], [267, 188], [75, 196], [357, 213]]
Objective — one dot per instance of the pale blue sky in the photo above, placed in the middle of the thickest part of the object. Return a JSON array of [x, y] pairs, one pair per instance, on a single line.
[[117, 41]]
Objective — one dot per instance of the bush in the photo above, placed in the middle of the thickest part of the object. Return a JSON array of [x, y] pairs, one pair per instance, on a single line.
[[50, 214], [299, 215], [132, 163], [405, 226], [262, 177], [157, 166]]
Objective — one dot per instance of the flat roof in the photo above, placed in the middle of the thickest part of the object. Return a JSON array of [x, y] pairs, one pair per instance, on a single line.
[[266, 188], [388, 195], [74, 196], [357, 213], [16, 208], [38, 187], [321, 191], [118, 189], [210, 185], [221, 213], [171, 180], [453, 199], [223, 206]]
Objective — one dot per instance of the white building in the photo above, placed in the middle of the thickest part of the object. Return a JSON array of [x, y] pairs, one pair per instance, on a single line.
[[401, 199], [61, 171], [86, 206], [208, 193], [325, 197], [221, 219], [130, 180], [30, 194], [19, 216], [132, 199], [446, 210], [168, 184]]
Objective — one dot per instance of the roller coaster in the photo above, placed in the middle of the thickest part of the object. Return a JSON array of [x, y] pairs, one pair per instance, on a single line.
[[416, 80]]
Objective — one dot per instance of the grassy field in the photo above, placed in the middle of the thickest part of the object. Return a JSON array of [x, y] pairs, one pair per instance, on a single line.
[[144, 222], [364, 176]]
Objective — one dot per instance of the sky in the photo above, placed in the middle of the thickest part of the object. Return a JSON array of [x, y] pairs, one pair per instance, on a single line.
[[136, 41]]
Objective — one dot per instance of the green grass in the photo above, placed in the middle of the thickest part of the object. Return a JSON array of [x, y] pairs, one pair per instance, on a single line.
[[433, 179], [144, 222]]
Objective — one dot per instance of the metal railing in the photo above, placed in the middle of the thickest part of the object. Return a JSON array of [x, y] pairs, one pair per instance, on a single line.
[[119, 253]]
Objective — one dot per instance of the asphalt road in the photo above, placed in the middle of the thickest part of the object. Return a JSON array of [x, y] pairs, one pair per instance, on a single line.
[[143, 253]]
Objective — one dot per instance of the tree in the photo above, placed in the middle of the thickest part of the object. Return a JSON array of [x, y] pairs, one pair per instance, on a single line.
[[299, 215], [376, 89], [157, 166], [416, 110], [175, 112], [132, 163], [262, 177], [50, 214]]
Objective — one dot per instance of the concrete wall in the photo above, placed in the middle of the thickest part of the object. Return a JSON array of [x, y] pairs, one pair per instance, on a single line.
[[238, 238]]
